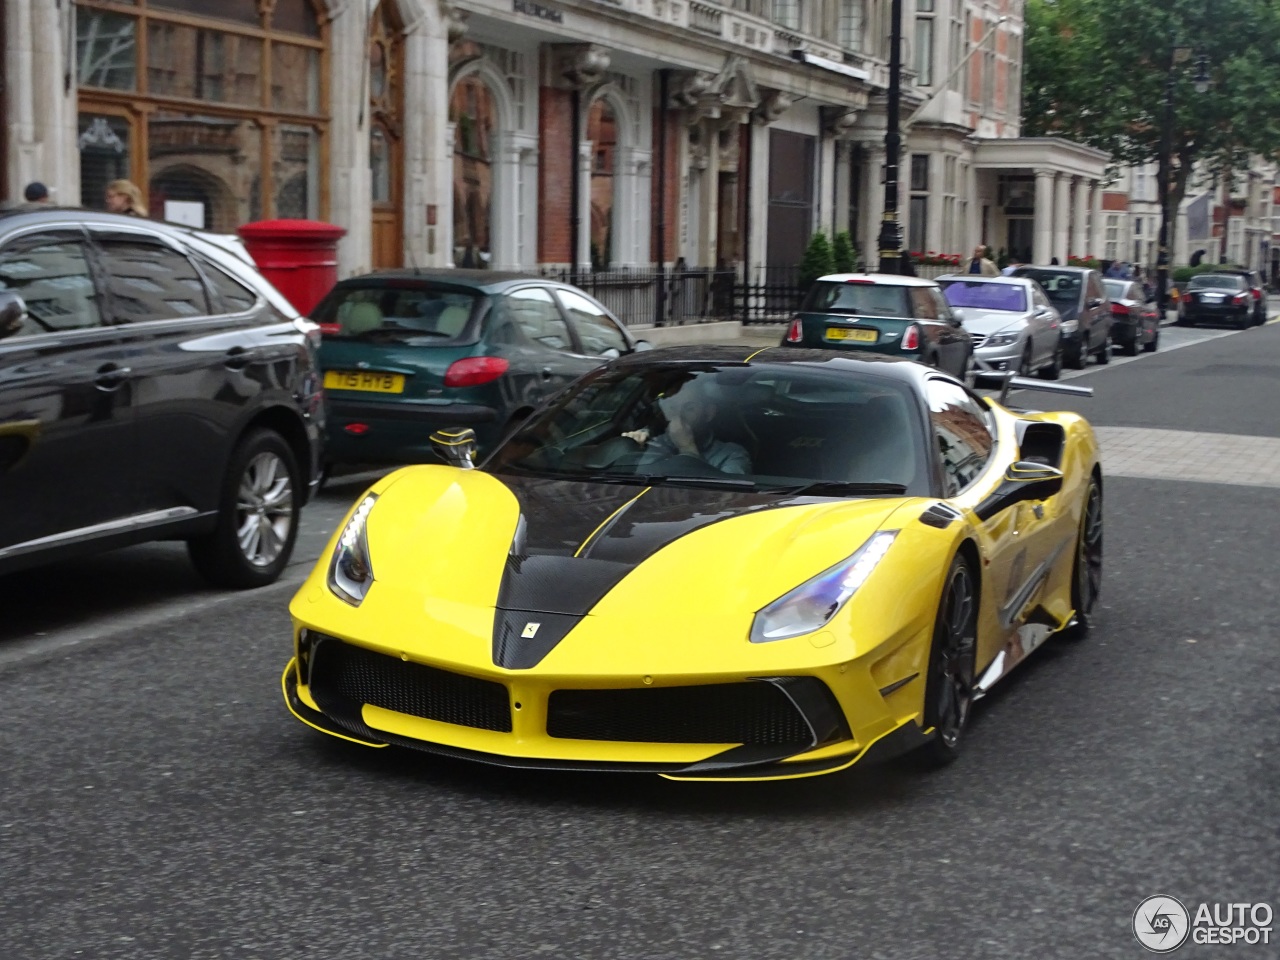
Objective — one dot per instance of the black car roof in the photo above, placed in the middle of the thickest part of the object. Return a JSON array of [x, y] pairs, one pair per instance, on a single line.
[[897, 368], [490, 281]]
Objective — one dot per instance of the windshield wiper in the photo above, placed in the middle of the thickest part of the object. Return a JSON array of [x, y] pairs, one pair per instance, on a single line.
[[843, 488]]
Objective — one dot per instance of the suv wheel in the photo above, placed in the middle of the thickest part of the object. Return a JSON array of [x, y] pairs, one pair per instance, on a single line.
[[257, 516]]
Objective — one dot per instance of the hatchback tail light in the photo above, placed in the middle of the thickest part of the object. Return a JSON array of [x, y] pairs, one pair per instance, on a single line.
[[1189, 297], [1240, 299], [1119, 309], [912, 339], [795, 332], [474, 371]]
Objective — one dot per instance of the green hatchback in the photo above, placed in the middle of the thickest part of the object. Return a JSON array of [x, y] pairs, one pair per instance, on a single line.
[[880, 313], [405, 353]]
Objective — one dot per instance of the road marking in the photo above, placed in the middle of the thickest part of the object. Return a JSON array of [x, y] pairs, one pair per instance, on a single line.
[[1186, 455]]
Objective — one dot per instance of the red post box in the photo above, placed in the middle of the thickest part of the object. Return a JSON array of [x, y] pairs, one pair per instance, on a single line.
[[299, 257]]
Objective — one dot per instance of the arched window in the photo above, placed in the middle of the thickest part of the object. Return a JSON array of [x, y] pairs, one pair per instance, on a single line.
[[217, 110]]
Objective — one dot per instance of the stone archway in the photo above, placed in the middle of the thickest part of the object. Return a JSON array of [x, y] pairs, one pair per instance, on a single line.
[[482, 222]]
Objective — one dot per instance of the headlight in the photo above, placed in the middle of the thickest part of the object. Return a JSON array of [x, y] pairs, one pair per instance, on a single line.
[[811, 605], [1001, 339], [1070, 326], [350, 572]]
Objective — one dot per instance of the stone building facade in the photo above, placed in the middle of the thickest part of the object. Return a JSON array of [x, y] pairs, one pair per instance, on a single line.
[[538, 133]]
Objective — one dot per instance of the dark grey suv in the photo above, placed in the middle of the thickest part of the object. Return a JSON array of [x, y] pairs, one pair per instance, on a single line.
[[152, 387], [1081, 299]]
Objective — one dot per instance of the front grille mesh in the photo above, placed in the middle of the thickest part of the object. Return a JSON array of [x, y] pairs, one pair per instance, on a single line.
[[363, 676], [752, 712]]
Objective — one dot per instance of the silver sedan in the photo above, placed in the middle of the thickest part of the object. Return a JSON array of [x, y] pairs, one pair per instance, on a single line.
[[1013, 324]]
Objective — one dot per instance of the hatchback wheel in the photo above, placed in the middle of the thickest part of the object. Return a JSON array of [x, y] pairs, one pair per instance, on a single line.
[[257, 516], [1104, 355]]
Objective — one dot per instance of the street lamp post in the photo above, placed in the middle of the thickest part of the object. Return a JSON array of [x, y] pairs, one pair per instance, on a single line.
[[1177, 56], [890, 228]]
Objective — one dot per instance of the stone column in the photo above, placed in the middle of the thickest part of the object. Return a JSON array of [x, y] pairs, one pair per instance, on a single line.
[[1079, 217], [428, 146], [350, 198], [1096, 236], [758, 201], [585, 154], [1061, 217], [841, 173], [41, 112], [1044, 216], [873, 214]]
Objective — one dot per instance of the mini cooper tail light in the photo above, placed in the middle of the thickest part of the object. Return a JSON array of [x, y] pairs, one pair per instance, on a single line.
[[1119, 309], [912, 340], [795, 333], [474, 371]]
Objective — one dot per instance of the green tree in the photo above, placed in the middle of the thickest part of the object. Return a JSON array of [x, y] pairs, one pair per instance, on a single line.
[[1097, 71], [843, 252], [817, 262]]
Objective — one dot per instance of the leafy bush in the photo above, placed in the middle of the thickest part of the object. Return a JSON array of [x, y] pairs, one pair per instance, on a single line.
[[818, 260], [843, 252], [1183, 274]]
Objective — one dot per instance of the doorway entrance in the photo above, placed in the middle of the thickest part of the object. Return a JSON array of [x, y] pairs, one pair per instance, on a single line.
[[386, 136]]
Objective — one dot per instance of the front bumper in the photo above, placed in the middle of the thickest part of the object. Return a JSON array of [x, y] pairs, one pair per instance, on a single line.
[[515, 727], [998, 359]]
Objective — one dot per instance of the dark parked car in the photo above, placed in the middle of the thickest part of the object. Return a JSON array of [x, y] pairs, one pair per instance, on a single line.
[[883, 313], [1219, 298], [152, 387], [405, 353], [1135, 318], [1080, 298], [1256, 289]]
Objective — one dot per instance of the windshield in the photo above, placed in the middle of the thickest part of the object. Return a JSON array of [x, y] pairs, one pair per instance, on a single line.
[[1009, 297], [1061, 288], [1217, 281], [859, 298], [396, 310], [769, 427]]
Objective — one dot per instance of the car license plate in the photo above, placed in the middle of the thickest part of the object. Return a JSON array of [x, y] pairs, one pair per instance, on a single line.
[[848, 333], [1212, 297], [364, 380]]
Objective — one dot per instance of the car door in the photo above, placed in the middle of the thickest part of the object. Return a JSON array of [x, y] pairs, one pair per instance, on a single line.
[[945, 348], [544, 352], [1099, 309], [197, 362], [1045, 325], [67, 444]]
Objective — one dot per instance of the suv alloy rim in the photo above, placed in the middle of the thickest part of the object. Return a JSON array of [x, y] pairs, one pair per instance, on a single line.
[[264, 509]]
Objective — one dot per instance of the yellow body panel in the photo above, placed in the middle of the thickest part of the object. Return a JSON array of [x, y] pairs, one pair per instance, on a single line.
[[439, 540]]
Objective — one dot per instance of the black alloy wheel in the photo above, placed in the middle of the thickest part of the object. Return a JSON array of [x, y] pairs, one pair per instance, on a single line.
[[1086, 575], [1104, 355], [952, 665], [1130, 347]]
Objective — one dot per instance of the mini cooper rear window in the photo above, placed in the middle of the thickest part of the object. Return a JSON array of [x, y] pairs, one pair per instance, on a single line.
[[402, 311], [858, 299]]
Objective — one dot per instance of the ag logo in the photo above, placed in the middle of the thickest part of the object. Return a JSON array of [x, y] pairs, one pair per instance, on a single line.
[[1161, 924], [530, 630]]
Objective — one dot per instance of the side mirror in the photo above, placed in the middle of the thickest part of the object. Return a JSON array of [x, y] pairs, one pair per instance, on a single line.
[[643, 345], [1023, 481], [456, 446], [13, 313], [612, 353]]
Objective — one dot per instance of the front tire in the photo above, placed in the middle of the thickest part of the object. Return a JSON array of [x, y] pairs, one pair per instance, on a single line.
[[1076, 357], [1153, 344], [1054, 370], [257, 516], [1103, 356], [1086, 572], [952, 665]]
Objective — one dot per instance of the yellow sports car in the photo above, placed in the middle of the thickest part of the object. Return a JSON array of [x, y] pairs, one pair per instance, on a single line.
[[707, 563]]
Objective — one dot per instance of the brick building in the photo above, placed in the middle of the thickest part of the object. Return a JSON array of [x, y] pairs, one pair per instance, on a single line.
[[442, 132]]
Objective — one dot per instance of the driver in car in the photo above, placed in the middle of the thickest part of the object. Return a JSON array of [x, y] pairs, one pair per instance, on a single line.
[[690, 413]]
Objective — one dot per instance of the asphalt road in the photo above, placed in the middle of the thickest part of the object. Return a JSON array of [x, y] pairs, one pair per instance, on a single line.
[[159, 802]]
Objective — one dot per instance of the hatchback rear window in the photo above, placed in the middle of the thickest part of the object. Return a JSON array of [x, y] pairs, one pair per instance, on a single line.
[[1219, 281], [858, 299], [397, 311]]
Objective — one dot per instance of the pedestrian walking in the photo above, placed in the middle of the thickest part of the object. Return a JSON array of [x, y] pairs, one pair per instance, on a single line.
[[982, 264], [123, 196]]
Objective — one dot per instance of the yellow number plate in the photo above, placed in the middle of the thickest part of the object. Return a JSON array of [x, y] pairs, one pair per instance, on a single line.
[[847, 333], [363, 380]]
